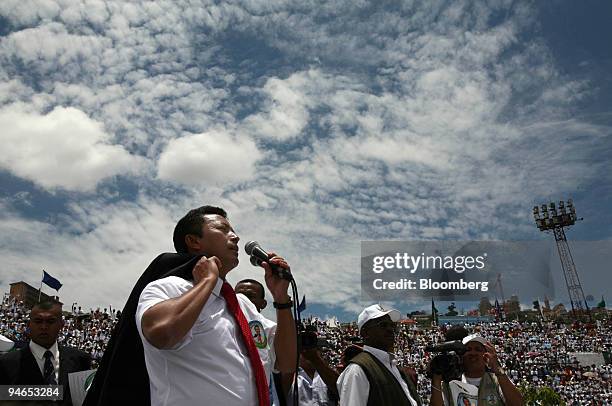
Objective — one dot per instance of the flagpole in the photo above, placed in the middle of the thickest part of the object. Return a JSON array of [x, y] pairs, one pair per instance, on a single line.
[[40, 289]]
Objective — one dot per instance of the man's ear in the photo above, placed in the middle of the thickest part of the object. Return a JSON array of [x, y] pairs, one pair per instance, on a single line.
[[192, 242], [264, 303], [364, 332]]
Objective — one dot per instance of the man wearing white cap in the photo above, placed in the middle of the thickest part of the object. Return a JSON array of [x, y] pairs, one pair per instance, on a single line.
[[477, 386], [372, 377]]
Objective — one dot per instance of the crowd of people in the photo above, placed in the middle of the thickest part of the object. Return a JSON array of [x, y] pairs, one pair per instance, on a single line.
[[533, 354], [88, 331]]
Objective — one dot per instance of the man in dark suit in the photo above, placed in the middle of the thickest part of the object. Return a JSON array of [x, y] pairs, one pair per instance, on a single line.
[[43, 361]]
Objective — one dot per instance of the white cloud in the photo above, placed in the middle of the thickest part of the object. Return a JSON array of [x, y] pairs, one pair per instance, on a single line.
[[26, 12], [394, 150], [215, 157], [63, 149], [286, 113], [51, 46]]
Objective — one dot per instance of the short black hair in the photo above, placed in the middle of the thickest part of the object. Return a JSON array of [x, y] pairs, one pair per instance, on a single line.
[[351, 351], [191, 223], [263, 290], [47, 305], [456, 333]]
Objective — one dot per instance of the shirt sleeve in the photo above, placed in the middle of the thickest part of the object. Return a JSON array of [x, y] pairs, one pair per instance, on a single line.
[[154, 293], [353, 386]]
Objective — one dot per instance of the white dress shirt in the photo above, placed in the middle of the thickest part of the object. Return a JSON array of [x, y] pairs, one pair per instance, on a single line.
[[353, 384], [210, 365], [311, 392], [39, 355]]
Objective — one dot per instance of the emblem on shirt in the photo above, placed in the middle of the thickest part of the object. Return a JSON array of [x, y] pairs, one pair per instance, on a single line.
[[259, 334], [466, 400]]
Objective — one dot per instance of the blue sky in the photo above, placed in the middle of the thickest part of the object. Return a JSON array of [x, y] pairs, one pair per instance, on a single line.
[[316, 124]]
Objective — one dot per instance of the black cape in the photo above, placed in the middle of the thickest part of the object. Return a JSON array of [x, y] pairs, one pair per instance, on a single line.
[[122, 377]]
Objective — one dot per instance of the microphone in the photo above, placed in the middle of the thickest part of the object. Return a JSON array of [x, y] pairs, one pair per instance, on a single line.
[[258, 255]]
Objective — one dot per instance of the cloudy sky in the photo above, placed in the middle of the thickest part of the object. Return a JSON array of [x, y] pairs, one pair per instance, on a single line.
[[316, 124]]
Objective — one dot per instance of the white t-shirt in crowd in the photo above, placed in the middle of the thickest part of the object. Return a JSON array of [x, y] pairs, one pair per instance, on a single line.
[[466, 388]]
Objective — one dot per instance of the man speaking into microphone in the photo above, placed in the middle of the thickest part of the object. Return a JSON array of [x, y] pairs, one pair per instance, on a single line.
[[196, 333]]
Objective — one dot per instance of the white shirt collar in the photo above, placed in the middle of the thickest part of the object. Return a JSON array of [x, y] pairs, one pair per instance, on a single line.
[[217, 289], [39, 351], [383, 356], [304, 375], [471, 381]]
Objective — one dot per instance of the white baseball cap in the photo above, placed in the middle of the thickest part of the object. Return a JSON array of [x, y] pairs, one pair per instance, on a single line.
[[474, 337], [374, 312]]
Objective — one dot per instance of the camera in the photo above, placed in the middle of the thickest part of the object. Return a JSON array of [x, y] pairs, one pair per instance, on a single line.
[[307, 337], [449, 361]]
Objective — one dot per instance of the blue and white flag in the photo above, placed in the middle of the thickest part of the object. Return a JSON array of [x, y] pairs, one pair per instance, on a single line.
[[302, 305], [51, 281]]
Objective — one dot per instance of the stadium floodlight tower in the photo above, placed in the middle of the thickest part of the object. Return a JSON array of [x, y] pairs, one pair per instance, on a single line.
[[549, 219]]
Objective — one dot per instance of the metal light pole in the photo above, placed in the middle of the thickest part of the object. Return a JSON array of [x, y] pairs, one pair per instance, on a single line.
[[549, 219]]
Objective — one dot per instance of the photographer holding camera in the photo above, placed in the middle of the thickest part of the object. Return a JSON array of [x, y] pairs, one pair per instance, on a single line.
[[468, 374], [316, 379]]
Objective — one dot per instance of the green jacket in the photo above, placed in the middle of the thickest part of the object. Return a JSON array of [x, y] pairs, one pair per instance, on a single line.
[[384, 388]]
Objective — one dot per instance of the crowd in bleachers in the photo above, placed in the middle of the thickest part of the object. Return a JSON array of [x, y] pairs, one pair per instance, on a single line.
[[88, 331], [534, 354]]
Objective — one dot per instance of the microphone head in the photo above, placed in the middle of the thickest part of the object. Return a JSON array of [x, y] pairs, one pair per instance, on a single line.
[[249, 246]]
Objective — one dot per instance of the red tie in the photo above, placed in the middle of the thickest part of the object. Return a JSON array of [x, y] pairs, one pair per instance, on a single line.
[[260, 375]]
